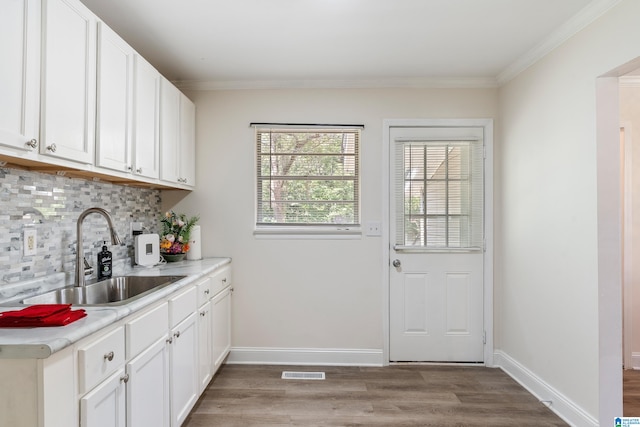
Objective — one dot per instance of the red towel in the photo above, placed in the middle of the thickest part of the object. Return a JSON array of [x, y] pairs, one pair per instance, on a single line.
[[41, 315]]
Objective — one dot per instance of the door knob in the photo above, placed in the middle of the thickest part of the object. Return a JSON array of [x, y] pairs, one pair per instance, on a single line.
[[396, 263]]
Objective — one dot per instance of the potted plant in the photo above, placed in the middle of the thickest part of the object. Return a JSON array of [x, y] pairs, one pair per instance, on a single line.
[[176, 231]]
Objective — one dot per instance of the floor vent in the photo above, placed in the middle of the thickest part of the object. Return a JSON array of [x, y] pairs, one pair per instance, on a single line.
[[289, 375]]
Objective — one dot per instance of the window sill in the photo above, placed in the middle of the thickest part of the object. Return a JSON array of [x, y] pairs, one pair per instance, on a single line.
[[310, 233]]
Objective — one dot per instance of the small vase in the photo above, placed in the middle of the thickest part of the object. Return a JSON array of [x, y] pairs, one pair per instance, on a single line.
[[173, 257]]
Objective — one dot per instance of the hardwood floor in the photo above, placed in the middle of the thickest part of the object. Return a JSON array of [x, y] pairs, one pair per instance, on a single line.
[[631, 393], [399, 395]]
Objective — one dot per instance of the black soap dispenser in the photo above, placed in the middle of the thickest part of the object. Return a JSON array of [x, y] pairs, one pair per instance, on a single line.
[[104, 263]]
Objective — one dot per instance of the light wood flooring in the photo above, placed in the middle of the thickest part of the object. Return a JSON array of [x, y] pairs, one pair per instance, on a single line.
[[399, 395]]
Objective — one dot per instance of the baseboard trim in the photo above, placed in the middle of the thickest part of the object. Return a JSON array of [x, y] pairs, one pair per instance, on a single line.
[[556, 401], [305, 356], [635, 360]]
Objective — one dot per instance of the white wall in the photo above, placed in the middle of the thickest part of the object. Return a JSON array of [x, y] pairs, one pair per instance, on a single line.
[[302, 293], [547, 230]]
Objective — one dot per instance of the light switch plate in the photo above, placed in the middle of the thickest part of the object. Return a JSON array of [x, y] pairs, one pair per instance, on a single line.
[[30, 242], [373, 228]]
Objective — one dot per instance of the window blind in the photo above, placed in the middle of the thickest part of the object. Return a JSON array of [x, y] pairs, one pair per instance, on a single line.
[[307, 176], [439, 194]]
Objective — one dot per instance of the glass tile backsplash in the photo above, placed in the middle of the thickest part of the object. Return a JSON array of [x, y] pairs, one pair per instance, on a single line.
[[51, 204]]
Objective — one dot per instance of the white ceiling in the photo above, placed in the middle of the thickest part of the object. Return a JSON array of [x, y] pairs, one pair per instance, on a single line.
[[324, 43]]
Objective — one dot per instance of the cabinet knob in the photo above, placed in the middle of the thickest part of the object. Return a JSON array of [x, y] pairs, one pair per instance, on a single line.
[[129, 168], [206, 291], [124, 378], [203, 313], [52, 148], [33, 143], [109, 356], [169, 340], [139, 170], [177, 334], [224, 280]]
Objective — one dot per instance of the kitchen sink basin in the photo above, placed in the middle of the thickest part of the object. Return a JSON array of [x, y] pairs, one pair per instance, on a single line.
[[114, 291]]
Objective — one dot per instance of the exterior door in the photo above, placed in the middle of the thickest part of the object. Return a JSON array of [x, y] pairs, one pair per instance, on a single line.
[[437, 244]]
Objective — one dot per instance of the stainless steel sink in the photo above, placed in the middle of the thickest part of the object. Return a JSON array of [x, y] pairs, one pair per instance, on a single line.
[[115, 291]]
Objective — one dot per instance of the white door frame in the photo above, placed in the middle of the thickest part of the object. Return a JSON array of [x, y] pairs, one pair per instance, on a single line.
[[627, 240], [487, 124]]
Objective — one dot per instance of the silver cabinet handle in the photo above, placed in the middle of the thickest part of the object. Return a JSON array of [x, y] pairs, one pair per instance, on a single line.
[[109, 356], [169, 340], [124, 378], [33, 143], [396, 263], [139, 170], [203, 313], [52, 148], [177, 334], [206, 291], [224, 280]]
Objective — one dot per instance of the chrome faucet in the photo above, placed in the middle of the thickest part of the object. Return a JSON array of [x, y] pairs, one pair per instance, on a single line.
[[81, 262]]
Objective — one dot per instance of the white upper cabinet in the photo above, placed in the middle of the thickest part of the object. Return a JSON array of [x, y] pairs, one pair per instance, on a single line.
[[68, 81], [177, 140], [170, 132], [114, 101], [187, 141], [146, 127], [19, 73]]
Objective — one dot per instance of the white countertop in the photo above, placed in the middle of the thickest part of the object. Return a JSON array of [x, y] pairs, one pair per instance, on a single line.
[[40, 343]]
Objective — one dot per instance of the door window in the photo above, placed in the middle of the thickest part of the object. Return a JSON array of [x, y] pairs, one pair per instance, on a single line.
[[439, 195]]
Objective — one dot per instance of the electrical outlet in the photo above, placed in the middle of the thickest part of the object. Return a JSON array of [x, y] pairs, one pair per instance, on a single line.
[[373, 228], [30, 242], [136, 228]]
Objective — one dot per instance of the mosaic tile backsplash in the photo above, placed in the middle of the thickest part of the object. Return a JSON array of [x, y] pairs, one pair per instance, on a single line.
[[51, 205]]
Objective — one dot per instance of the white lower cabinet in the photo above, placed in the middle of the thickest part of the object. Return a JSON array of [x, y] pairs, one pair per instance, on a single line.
[[184, 369], [146, 370], [148, 402], [104, 406], [221, 326], [205, 360]]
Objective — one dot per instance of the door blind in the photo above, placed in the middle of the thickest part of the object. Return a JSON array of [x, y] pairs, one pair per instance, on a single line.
[[439, 191]]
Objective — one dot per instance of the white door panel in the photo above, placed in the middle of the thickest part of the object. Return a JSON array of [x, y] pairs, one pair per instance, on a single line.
[[436, 274]]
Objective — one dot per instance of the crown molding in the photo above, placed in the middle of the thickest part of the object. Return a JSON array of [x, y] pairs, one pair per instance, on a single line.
[[415, 83], [586, 16]]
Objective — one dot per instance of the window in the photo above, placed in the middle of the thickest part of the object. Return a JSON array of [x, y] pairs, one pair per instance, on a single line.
[[307, 177], [440, 194]]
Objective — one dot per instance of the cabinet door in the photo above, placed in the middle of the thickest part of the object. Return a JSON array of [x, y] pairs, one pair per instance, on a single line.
[[184, 369], [148, 387], [221, 326], [170, 132], [69, 83], [205, 361], [114, 101], [104, 406], [187, 141], [20, 73], [145, 121]]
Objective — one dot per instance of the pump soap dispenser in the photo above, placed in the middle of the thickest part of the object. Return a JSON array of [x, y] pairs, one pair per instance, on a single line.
[[104, 263]]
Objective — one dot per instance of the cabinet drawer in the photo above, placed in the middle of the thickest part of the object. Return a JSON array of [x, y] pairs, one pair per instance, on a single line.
[[101, 358], [221, 279], [182, 305], [204, 291], [146, 329]]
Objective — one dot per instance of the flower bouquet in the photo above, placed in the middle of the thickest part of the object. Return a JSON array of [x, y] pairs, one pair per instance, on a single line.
[[176, 230]]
